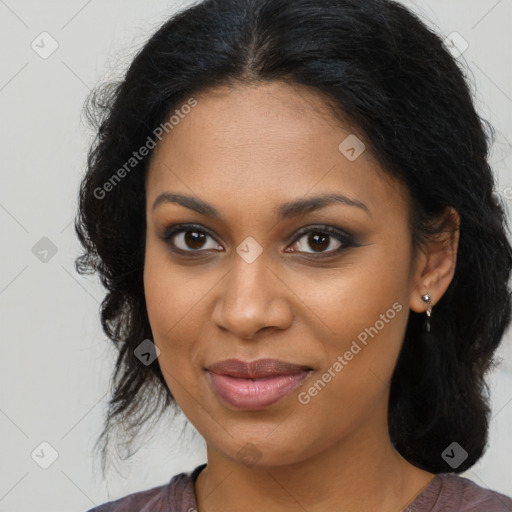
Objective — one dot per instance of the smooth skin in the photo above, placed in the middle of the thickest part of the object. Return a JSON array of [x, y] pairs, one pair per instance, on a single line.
[[247, 150]]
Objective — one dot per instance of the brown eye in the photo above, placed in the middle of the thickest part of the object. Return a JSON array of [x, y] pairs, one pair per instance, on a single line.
[[194, 239], [318, 241], [323, 241], [191, 240]]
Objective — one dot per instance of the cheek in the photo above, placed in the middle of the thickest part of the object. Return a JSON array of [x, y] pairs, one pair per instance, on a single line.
[[347, 300], [363, 309], [169, 303], [358, 368], [170, 292], [177, 305]]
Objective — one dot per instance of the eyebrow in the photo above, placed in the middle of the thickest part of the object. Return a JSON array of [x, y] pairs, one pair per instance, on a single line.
[[284, 211]]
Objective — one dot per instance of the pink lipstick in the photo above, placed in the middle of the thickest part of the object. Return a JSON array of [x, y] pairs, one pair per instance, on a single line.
[[255, 384]]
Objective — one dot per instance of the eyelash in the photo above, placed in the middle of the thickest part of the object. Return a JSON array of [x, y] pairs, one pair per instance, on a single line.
[[344, 238]]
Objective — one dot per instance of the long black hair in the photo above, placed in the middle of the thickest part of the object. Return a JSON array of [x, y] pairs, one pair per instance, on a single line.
[[380, 67]]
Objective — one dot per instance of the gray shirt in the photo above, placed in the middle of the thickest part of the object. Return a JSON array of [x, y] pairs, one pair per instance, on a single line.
[[445, 493]]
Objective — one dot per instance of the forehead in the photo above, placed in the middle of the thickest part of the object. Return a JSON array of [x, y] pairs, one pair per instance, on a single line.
[[272, 140]]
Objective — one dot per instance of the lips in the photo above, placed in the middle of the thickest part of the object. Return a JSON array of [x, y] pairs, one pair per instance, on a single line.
[[255, 369], [255, 384]]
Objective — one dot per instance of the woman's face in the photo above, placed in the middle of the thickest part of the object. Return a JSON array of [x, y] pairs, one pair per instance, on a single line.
[[273, 267]]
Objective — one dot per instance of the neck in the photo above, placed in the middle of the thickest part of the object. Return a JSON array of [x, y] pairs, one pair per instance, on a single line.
[[360, 472]]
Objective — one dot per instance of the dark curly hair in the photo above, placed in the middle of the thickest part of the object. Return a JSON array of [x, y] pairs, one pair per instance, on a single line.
[[392, 77]]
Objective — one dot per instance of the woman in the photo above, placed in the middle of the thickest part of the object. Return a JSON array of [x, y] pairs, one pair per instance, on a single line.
[[290, 205]]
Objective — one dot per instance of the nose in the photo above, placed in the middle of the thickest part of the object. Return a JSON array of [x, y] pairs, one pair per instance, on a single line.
[[252, 297]]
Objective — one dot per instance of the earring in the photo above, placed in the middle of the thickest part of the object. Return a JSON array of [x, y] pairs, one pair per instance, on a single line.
[[426, 298]]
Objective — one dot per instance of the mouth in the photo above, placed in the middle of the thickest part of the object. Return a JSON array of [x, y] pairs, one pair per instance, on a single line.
[[256, 384]]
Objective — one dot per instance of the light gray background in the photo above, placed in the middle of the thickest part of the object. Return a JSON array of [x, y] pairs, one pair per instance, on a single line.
[[56, 362]]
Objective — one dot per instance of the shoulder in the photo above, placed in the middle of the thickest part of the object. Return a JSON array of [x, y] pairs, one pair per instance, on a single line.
[[150, 499], [175, 496], [455, 493]]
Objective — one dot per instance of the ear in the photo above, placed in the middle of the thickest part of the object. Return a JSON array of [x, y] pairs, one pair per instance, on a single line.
[[435, 264]]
